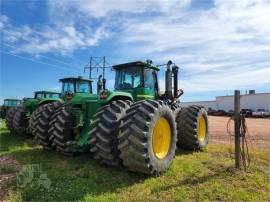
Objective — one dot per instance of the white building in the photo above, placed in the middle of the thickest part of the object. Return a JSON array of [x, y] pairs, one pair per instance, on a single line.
[[247, 101]]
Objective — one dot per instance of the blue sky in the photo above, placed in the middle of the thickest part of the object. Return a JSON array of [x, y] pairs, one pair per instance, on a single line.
[[219, 45]]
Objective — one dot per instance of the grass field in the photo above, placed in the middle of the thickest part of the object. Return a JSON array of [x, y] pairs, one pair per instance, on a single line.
[[200, 176]]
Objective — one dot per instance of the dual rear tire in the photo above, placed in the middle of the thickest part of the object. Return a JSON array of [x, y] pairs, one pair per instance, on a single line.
[[148, 137], [141, 136], [105, 127], [40, 121], [20, 120], [9, 119]]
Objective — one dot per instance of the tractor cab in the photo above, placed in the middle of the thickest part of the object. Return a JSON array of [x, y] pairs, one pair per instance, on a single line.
[[8, 103], [137, 78], [11, 102], [74, 85], [46, 95]]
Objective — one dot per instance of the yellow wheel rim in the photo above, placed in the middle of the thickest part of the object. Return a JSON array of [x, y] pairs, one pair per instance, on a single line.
[[201, 129], [161, 139]]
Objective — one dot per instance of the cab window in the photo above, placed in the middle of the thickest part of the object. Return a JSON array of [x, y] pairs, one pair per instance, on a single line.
[[39, 95], [68, 87], [149, 79], [52, 95], [83, 87], [128, 78]]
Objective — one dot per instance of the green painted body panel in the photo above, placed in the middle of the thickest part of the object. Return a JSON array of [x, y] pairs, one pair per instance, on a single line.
[[135, 95], [84, 106]]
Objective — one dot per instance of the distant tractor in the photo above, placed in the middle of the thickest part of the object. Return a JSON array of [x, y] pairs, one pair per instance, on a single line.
[[76, 94], [134, 124], [18, 118], [8, 103]]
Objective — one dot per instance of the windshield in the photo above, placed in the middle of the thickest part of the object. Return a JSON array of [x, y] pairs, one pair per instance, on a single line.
[[68, 87], [82, 87], [39, 95], [128, 78], [52, 95], [14, 103], [149, 79], [261, 110]]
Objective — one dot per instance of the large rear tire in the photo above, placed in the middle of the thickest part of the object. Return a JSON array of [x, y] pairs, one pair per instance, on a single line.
[[105, 128], [9, 119], [39, 122], [147, 139], [192, 127], [61, 129], [20, 121]]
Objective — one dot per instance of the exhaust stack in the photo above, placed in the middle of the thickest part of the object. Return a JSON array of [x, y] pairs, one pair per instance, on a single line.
[[168, 81]]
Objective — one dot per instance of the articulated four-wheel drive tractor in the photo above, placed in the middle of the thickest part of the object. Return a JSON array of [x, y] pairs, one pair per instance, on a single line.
[[18, 117], [48, 119], [8, 104], [133, 125]]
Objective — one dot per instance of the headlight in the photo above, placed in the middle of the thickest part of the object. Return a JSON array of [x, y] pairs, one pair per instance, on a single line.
[[103, 95]]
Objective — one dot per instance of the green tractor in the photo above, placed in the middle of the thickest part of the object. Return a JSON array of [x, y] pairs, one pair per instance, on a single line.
[[76, 93], [8, 103], [18, 118], [133, 125]]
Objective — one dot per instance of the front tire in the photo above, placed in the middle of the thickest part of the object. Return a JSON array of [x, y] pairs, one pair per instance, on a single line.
[[192, 127], [147, 139]]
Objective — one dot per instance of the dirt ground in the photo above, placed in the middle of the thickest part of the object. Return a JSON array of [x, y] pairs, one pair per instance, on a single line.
[[258, 134], [8, 168]]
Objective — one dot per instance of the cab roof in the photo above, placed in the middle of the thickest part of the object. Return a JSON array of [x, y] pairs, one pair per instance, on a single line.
[[137, 63], [79, 78], [11, 99], [47, 91]]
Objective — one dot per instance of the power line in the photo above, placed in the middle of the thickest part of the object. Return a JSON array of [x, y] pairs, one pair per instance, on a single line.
[[52, 59], [27, 40], [44, 63]]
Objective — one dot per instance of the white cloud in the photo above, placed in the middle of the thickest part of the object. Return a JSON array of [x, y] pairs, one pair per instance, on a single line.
[[225, 46], [103, 8], [60, 38]]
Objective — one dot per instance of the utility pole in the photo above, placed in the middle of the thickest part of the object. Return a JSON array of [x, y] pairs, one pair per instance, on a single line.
[[97, 63], [237, 125]]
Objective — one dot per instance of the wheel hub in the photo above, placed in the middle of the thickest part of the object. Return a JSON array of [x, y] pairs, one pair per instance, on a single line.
[[201, 129], [161, 138]]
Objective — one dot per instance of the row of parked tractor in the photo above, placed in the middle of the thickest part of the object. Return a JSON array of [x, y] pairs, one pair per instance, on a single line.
[[259, 113], [133, 125]]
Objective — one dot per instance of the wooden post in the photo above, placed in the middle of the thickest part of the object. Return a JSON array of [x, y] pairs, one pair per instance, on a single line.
[[237, 124]]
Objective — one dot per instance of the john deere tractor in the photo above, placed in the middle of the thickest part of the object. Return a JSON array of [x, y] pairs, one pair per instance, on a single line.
[[76, 95], [8, 103], [133, 125], [143, 135], [18, 118]]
